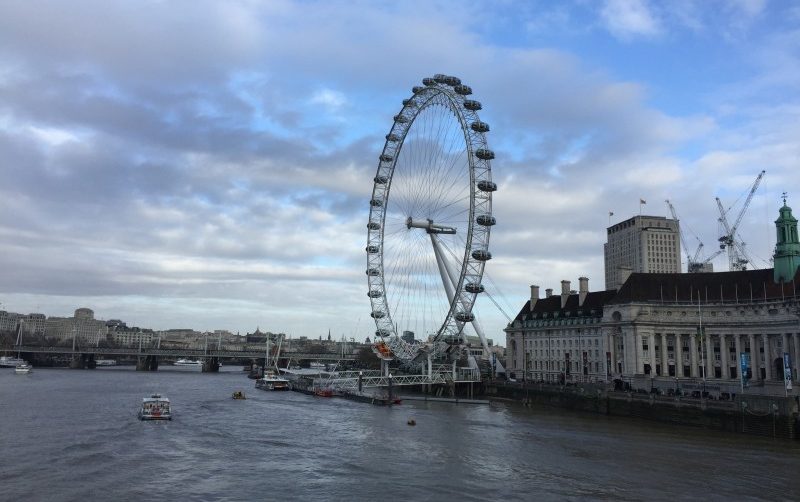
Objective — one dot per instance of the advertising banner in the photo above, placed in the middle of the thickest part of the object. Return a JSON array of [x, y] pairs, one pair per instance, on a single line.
[[787, 371], [744, 360]]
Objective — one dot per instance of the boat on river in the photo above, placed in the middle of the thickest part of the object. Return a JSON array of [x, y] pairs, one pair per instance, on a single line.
[[23, 369], [155, 407], [105, 362], [11, 362], [271, 381], [189, 362], [323, 392]]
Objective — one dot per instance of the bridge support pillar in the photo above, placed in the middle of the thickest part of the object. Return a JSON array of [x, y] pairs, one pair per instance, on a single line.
[[147, 363], [211, 365], [82, 361]]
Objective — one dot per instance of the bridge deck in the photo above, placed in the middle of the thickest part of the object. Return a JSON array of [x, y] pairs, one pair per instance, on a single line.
[[190, 353]]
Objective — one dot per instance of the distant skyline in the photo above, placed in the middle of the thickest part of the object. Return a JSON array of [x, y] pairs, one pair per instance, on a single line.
[[208, 165]]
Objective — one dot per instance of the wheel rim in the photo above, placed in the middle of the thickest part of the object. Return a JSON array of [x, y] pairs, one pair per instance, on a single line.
[[433, 183]]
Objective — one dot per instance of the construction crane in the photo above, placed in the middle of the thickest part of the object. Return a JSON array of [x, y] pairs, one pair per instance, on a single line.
[[692, 265], [737, 257], [699, 266]]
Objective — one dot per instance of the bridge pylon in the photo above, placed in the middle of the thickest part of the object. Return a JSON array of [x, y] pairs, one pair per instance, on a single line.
[[147, 363], [82, 361], [211, 365]]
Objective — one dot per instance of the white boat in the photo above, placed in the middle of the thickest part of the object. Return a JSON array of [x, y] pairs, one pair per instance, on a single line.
[[188, 362], [23, 369], [271, 381], [105, 362], [11, 362], [155, 407]]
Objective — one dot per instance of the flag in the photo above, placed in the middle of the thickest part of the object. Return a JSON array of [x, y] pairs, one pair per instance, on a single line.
[[642, 201], [610, 214]]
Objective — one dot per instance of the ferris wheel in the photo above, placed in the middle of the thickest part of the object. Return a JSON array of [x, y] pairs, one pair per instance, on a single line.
[[430, 220]]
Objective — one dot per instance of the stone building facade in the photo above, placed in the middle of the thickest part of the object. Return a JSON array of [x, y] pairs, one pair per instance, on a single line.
[[133, 336], [667, 330], [698, 326], [559, 337], [83, 327]]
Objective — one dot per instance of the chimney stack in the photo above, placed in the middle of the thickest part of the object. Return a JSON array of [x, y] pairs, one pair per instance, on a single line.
[[534, 296], [548, 292], [583, 289], [564, 293]]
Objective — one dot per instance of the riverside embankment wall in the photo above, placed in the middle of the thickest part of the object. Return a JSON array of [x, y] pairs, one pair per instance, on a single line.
[[749, 414]]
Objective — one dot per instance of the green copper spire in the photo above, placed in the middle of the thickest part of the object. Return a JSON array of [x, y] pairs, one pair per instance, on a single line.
[[787, 249]]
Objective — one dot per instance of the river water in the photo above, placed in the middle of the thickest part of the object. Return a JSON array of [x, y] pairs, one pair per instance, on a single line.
[[73, 435]]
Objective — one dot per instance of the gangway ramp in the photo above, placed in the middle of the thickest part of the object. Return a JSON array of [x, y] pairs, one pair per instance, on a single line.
[[348, 381]]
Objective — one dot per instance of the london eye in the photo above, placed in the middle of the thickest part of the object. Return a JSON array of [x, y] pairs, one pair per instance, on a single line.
[[429, 222]]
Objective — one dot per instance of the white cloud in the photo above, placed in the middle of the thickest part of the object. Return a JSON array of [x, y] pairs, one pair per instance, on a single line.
[[328, 98], [749, 8], [654, 174], [52, 136], [630, 18]]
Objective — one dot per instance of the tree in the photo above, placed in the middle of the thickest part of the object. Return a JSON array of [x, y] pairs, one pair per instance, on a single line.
[[316, 348], [367, 359], [6, 339]]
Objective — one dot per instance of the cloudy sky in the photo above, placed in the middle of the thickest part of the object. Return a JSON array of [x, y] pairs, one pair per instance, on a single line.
[[209, 164]]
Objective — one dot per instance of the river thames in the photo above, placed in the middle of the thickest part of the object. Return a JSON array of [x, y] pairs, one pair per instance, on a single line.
[[74, 435]]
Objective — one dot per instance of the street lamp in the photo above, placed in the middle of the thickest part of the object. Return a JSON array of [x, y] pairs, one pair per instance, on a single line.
[[702, 336]]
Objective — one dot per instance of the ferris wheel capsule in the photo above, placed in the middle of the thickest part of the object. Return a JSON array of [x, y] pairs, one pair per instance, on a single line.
[[484, 154], [486, 220], [465, 317], [472, 287], [479, 126], [487, 186], [472, 105]]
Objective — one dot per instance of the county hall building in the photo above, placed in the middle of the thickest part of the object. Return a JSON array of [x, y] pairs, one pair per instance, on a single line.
[[668, 330]]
